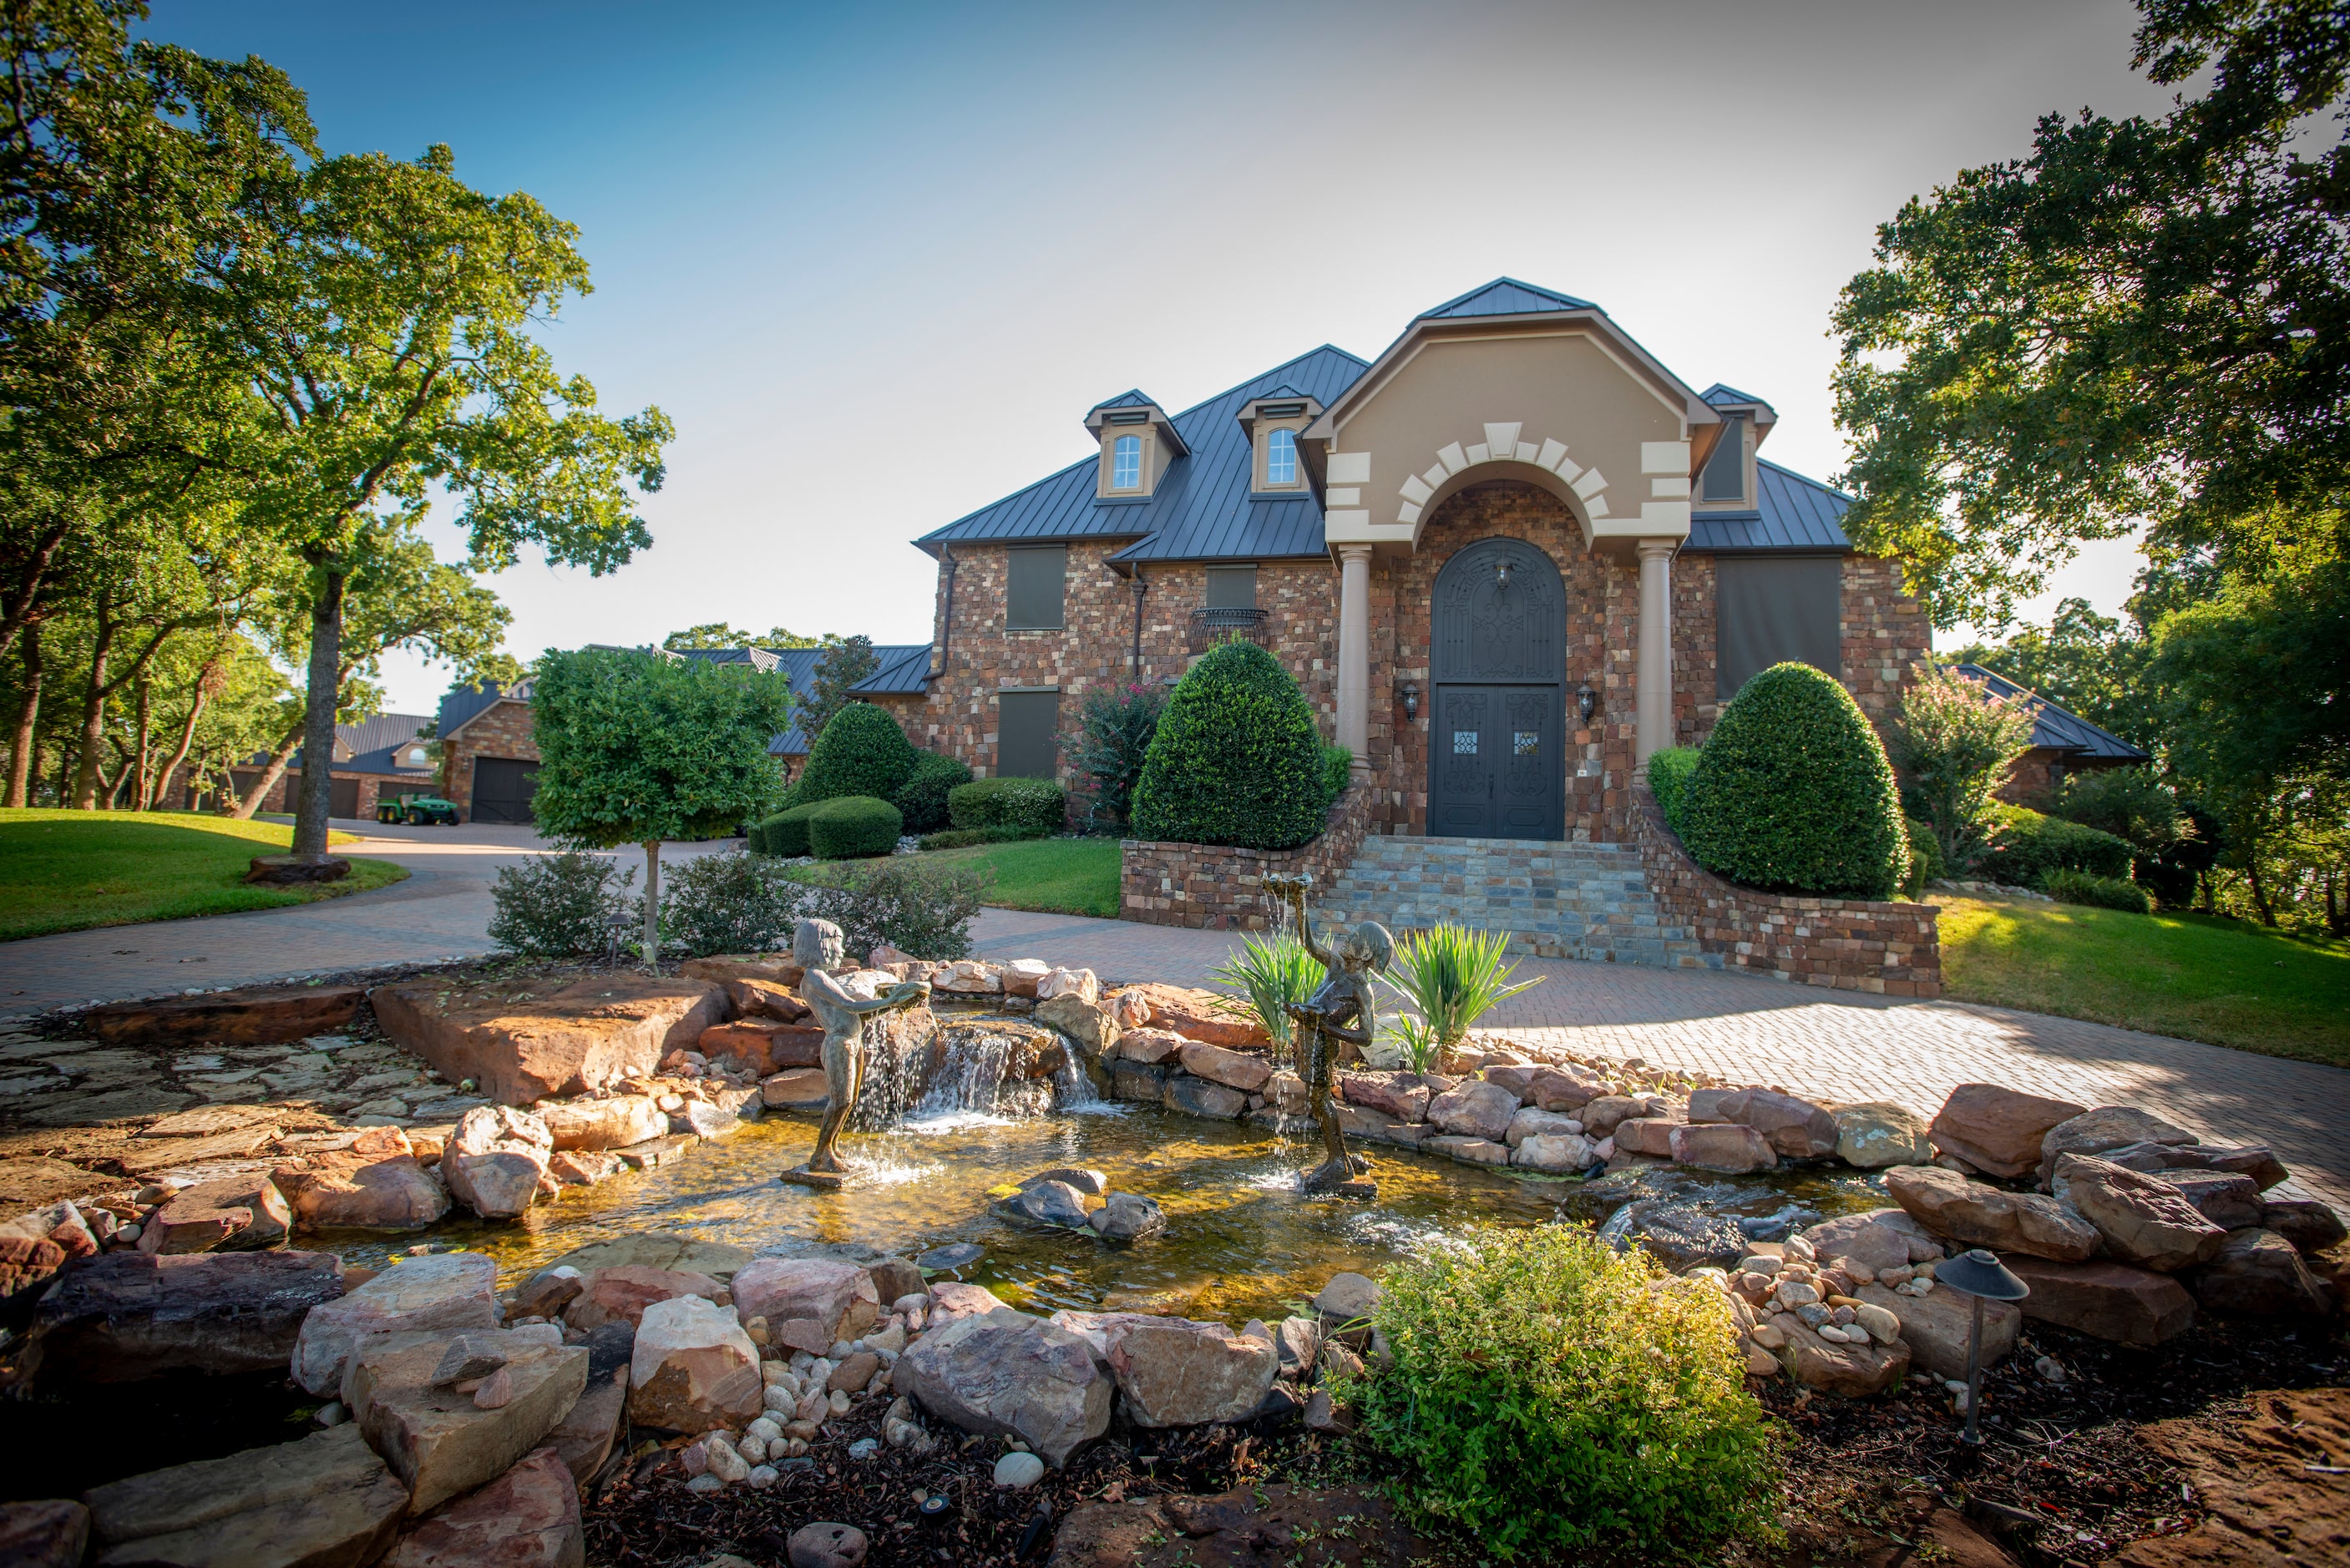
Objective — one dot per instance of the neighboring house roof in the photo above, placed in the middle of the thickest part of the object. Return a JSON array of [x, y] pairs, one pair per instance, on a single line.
[[1795, 513], [2056, 728], [1505, 296], [1723, 395], [904, 670], [760, 659], [371, 744], [467, 703]]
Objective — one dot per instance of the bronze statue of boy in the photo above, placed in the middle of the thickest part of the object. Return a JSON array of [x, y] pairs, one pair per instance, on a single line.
[[1341, 1011], [817, 948]]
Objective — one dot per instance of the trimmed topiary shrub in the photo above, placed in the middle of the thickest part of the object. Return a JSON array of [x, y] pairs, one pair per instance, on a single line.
[[1236, 760], [853, 827], [2026, 846], [1338, 773], [861, 751], [1669, 775], [921, 800], [2069, 887], [1792, 793], [1036, 806], [785, 834]]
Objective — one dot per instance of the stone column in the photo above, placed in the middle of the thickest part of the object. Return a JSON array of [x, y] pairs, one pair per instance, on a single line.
[[1654, 672], [1354, 654]]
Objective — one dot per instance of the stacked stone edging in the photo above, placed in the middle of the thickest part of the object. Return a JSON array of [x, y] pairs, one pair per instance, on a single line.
[[1219, 887], [1850, 944]]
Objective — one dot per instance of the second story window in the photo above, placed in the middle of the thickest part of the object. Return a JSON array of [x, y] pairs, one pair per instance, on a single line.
[[1725, 470], [1035, 577], [1281, 458], [1126, 463]]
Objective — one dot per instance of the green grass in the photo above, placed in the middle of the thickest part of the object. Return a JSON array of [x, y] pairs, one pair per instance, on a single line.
[[2192, 976], [70, 871], [1061, 875]]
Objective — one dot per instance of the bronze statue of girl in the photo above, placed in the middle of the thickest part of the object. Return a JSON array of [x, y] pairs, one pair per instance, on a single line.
[[1342, 1012], [817, 948]]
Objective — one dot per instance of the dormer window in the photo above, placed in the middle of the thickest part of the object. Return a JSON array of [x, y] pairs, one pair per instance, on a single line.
[[1138, 443], [1281, 458], [1126, 463], [1274, 423], [1723, 482]]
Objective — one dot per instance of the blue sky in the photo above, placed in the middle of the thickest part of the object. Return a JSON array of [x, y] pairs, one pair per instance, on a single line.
[[877, 261]]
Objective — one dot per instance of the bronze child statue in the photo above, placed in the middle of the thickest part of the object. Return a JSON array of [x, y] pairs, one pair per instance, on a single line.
[[817, 948], [1341, 1011]]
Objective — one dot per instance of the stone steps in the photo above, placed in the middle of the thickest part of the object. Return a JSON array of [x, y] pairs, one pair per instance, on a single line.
[[1556, 899]]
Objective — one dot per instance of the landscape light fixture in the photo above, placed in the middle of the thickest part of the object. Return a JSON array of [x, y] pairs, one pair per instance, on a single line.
[[1586, 700], [1409, 693], [1984, 1278]]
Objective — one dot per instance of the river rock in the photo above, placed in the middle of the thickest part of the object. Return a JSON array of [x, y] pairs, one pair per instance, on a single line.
[[1978, 1215], [1881, 1238], [1795, 1128], [1200, 1015], [375, 1184], [2144, 1220], [1403, 1095], [1651, 1136], [614, 1123], [1677, 1235], [1474, 1109], [1851, 1371], [253, 1015], [1530, 1122], [326, 1500], [1468, 1150], [2257, 1274], [1348, 1297], [127, 1315], [496, 1160], [1152, 1047], [1080, 984], [692, 1368], [1555, 1154], [621, 1294], [527, 1518], [1995, 1130], [2310, 1225], [2103, 1127], [1023, 977], [1235, 1069], [1127, 1217], [52, 1533], [1048, 1203], [238, 1213], [809, 1302], [1174, 1372], [2228, 1200], [1199, 1097], [1550, 1089], [1006, 1374], [1877, 1134], [443, 1442], [1092, 1027], [441, 1291], [1936, 1326], [824, 1545], [521, 1044], [2106, 1300], [1600, 1116], [801, 1089], [1730, 1146]]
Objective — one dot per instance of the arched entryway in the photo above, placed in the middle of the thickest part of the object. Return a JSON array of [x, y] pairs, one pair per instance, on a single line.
[[1496, 764]]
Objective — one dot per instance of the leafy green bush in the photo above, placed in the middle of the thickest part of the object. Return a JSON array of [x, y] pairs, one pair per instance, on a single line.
[[1237, 759], [1551, 1396], [730, 902], [921, 800], [1038, 805], [560, 906], [1338, 773], [2128, 803], [853, 827], [1792, 793], [2026, 846], [1269, 972], [2070, 887], [964, 837], [923, 909], [1953, 742], [1924, 860], [1668, 776], [1112, 740], [785, 834], [861, 751]]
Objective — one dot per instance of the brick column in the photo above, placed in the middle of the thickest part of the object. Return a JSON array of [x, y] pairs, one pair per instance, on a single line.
[[1653, 674], [1354, 655]]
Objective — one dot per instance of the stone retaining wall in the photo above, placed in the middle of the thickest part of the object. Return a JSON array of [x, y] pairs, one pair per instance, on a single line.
[[1851, 944], [1220, 888]]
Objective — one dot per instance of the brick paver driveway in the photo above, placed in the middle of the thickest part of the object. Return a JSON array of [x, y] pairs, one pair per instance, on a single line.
[[1836, 1045]]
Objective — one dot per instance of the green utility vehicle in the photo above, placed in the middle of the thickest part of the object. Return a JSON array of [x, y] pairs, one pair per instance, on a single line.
[[416, 810]]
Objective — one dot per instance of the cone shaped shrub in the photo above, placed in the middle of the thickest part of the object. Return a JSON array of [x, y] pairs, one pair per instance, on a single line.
[[1236, 759], [861, 751], [1792, 793]]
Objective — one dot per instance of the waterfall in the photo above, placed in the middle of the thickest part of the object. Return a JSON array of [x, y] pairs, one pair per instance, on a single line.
[[973, 1078]]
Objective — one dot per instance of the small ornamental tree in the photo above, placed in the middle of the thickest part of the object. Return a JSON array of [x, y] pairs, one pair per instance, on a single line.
[[1236, 759], [845, 661], [861, 751], [1792, 793], [1112, 742], [1953, 742], [638, 747]]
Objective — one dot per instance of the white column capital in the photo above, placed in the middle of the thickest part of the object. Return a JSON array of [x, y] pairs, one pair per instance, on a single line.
[[1351, 553], [1654, 549]]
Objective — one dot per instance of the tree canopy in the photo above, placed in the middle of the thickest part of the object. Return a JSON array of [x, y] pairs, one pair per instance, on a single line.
[[718, 634]]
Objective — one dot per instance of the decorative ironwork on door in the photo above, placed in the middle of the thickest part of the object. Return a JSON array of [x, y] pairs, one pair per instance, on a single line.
[[1496, 763]]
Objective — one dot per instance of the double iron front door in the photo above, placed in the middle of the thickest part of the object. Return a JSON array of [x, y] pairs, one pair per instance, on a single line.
[[1498, 763], [1497, 759]]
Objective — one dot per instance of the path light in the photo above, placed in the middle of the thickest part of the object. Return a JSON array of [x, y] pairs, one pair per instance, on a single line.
[[1409, 691], [1586, 699], [618, 926], [1982, 1276]]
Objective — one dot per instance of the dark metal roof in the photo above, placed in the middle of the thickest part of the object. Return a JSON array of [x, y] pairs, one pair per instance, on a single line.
[[904, 670], [2056, 728], [466, 703], [371, 743], [760, 659], [1795, 513], [1505, 296], [1723, 395], [1201, 509], [1132, 399]]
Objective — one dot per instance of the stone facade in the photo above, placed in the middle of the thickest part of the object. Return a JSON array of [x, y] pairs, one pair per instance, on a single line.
[[501, 730], [1222, 888], [1850, 944]]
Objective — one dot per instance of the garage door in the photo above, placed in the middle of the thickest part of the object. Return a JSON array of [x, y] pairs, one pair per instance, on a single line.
[[502, 788], [342, 794]]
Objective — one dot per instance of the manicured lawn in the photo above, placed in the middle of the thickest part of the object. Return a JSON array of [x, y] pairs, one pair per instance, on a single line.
[[1062, 876], [69, 870], [2188, 975]]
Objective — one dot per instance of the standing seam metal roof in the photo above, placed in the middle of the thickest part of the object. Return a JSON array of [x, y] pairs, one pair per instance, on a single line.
[[1795, 513], [2056, 728]]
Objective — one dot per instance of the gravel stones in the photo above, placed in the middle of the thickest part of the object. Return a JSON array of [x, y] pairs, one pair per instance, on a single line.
[[326, 1498], [129, 1315], [1474, 1109], [1003, 1374], [495, 1163], [1983, 1216], [692, 1368], [441, 1291], [2143, 1219], [1995, 1130]]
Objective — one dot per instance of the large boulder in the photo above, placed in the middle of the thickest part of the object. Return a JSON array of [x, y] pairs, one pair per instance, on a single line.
[[1003, 1374], [1174, 1372], [1849, 1371], [658, 1250], [440, 1290], [809, 1302], [527, 1518], [2144, 1220], [53, 1532], [1152, 1047], [374, 1184], [2253, 1159], [1200, 1097], [2311, 1226], [1979, 1215], [614, 1123], [2103, 1127], [1094, 1028], [1796, 1129], [1403, 1095], [1730, 1146], [584, 1439], [761, 1046], [1997, 1130], [1235, 1069], [1936, 1325], [523, 1045], [1532, 1121], [1555, 1154], [130, 1315], [691, 1368], [1651, 1136], [953, 1301], [1200, 1015], [1127, 1217], [254, 1015], [1677, 1235], [621, 1293], [232, 1214], [1876, 1134], [2227, 1198], [1880, 1239], [800, 1089], [434, 1435], [2258, 1274], [322, 1502], [1474, 1109], [497, 1159], [2106, 1300], [1550, 1089]]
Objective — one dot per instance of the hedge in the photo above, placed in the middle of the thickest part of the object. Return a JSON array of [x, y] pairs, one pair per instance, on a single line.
[[862, 751], [1925, 858], [1039, 805], [785, 833], [921, 800], [853, 827], [1237, 759], [1338, 773], [1669, 775], [2026, 846], [964, 837], [1792, 793], [2067, 885]]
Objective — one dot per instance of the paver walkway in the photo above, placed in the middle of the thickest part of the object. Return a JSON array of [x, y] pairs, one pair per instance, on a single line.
[[1836, 1045]]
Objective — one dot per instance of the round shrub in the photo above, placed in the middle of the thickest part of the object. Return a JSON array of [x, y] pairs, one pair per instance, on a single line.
[[1033, 805], [861, 751], [730, 902], [559, 906], [921, 800], [2070, 887], [1236, 759], [1669, 775], [853, 827], [1550, 1396], [786, 832], [2027, 846], [1792, 793], [1338, 773]]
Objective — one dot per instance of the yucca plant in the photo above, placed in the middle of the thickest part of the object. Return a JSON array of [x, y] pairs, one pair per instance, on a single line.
[[1452, 976], [1269, 972], [1412, 1039]]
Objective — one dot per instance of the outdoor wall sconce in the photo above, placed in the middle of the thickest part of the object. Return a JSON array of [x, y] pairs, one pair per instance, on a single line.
[[1409, 693], [1586, 700], [1982, 1276]]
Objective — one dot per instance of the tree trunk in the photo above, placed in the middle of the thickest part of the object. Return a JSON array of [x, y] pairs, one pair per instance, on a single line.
[[2260, 894], [319, 721], [142, 788], [93, 708], [652, 905], [22, 765], [270, 774], [179, 756], [17, 617]]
